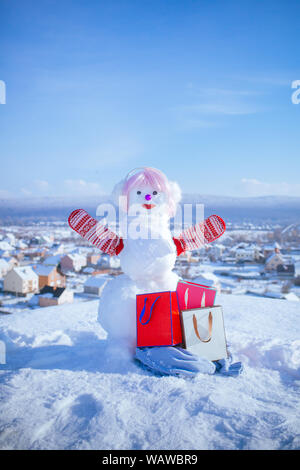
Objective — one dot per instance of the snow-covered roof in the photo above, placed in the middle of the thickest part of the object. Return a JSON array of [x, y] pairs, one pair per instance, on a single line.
[[52, 260], [25, 272], [49, 291], [207, 279], [76, 256], [5, 246], [9, 258], [274, 255], [88, 270], [43, 270], [272, 247], [10, 238], [241, 245], [3, 263], [21, 244], [268, 247], [292, 297], [96, 281], [46, 239]]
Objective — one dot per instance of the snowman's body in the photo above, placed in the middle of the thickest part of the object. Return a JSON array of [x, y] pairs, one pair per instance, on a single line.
[[147, 264]]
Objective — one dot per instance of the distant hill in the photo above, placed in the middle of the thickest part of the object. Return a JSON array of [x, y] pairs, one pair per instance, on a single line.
[[275, 209], [281, 209]]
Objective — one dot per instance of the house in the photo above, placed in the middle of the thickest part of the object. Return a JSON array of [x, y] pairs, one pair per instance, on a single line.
[[95, 285], [10, 238], [35, 240], [58, 249], [72, 262], [35, 253], [243, 254], [285, 270], [248, 253], [92, 258], [12, 261], [21, 244], [18, 254], [268, 250], [216, 250], [54, 296], [5, 253], [47, 240], [273, 261], [258, 255], [4, 267], [49, 276], [108, 262], [6, 246], [21, 280]]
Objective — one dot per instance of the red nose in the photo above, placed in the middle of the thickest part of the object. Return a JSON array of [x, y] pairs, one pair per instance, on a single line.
[[148, 197]]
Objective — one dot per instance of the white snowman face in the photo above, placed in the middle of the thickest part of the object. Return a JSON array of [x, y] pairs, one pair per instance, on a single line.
[[148, 199]]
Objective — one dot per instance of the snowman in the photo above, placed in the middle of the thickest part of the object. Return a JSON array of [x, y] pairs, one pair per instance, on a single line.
[[147, 251]]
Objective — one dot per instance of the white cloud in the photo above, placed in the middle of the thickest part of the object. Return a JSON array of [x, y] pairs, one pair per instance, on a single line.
[[255, 187], [82, 187], [42, 185], [26, 192]]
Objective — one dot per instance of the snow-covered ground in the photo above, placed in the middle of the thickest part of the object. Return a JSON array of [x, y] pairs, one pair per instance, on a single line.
[[60, 390]]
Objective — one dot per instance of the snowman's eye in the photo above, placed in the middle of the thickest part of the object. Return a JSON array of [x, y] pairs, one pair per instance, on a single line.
[[154, 193], [138, 192]]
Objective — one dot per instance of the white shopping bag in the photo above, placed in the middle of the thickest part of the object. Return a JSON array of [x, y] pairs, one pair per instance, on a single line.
[[204, 333]]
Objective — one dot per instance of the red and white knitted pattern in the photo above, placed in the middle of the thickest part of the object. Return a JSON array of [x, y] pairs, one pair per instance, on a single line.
[[201, 234], [93, 231], [108, 242]]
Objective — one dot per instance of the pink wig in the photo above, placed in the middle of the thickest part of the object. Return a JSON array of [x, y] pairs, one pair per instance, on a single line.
[[155, 178]]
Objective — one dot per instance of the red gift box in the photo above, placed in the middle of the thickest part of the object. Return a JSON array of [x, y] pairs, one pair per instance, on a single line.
[[158, 319], [192, 295]]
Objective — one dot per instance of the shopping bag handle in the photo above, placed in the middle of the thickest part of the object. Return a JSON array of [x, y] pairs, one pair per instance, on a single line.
[[210, 321], [186, 298], [144, 309]]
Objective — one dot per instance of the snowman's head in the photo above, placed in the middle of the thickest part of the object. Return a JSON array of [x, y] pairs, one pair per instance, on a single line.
[[148, 190]]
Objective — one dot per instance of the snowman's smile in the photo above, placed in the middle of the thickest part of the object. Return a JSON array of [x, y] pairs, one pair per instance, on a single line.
[[148, 206]]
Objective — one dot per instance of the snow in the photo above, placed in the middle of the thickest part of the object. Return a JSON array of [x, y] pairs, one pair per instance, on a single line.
[[96, 281], [52, 260], [5, 246], [208, 279], [3, 264], [62, 389], [43, 270], [25, 272]]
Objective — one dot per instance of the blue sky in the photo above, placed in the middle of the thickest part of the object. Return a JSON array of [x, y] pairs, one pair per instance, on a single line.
[[199, 89]]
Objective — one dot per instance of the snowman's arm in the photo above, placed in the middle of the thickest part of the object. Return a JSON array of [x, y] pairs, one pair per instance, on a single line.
[[201, 234], [96, 233]]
